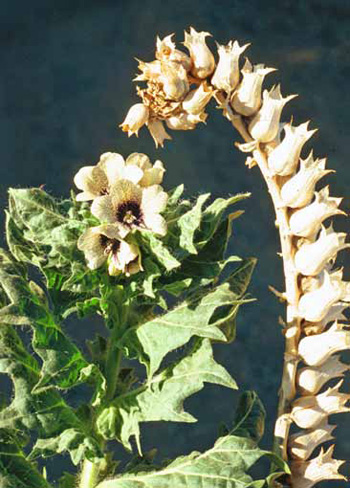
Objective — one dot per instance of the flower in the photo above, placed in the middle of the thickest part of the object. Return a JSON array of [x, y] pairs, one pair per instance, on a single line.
[[306, 221], [299, 189], [265, 124], [166, 51], [246, 100], [316, 349], [311, 380], [226, 75], [158, 132], [307, 473], [136, 117], [311, 258], [196, 100], [130, 207], [314, 305], [284, 159], [95, 181], [202, 58], [303, 443], [105, 242]]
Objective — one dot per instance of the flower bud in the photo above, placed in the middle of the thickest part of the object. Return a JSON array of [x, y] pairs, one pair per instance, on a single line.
[[127, 260], [185, 121], [310, 259], [247, 98], [158, 132], [265, 124], [299, 190], [306, 221], [226, 75], [166, 51], [323, 467], [310, 411], [314, 305], [315, 350], [135, 119], [174, 80], [202, 58], [311, 380], [284, 159], [302, 444], [196, 100]]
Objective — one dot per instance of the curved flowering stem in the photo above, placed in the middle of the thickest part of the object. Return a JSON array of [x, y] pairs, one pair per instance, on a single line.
[[315, 295]]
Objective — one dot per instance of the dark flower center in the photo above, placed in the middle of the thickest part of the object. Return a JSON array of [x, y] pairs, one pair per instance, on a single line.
[[129, 213], [109, 245]]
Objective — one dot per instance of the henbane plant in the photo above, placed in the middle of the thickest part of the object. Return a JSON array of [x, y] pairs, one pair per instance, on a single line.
[[153, 265]]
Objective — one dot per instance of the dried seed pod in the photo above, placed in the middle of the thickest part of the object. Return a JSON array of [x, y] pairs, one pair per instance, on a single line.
[[246, 100], [298, 191], [226, 75], [314, 305], [136, 117], [310, 411], [166, 51], [306, 221], [265, 124], [311, 380], [196, 100], [202, 58], [311, 258], [283, 160], [149, 71], [302, 444], [174, 80], [315, 350], [335, 313], [185, 121], [323, 467], [158, 132]]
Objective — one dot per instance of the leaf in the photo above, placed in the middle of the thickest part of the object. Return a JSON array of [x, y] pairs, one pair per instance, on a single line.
[[162, 397], [67, 480], [160, 252], [167, 332], [225, 465], [188, 224], [15, 470], [44, 412]]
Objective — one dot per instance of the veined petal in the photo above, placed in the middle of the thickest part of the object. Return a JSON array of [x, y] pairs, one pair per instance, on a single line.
[[132, 173], [139, 159], [156, 223], [90, 243], [102, 208], [92, 180], [154, 175], [154, 199], [112, 164]]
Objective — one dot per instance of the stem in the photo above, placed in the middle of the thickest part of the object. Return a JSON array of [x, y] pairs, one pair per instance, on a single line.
[[89, 475], [292, 331]]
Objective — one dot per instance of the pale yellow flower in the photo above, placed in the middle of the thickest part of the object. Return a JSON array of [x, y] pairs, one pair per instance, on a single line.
[[105, 242], [130, 207]]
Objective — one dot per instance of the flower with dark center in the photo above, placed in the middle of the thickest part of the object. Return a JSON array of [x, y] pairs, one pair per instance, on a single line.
[[130, 207], [104, 243]]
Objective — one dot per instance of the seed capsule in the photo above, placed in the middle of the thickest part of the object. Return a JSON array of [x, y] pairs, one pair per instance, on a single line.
[[311, 258], [149, 71], [174, 80], [202, 58], [335, 313], [310, 411], [311, 380], [166, 51], [185, 121], [196, 100], [158, 132], [265, 124], [323, 467], [135, 119], [306, 221], [315, 350], [302, 444], [247, 98], [226, 75], [284, 159], [314, 305], [299, 190]]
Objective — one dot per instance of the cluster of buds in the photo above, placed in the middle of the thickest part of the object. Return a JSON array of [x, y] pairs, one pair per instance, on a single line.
[[321, 294], [126, 196]]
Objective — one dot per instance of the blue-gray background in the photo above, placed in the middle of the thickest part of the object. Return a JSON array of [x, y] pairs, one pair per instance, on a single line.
[[66, 70]]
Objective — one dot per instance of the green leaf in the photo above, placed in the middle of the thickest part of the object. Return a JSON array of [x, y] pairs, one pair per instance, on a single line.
[[44, 412], [15, 470], [159, 251], [188, 224], [162, 397], [167, 332], [67, 480], [225, 465]]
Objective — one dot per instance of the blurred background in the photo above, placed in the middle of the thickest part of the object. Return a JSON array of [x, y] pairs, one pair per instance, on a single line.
[[65, 86]]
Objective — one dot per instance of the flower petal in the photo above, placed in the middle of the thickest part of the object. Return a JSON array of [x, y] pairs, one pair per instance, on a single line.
[[139, 159], [91, 179], [102, 208], [90, 243], [154, 199], [155, 223], [113, 165]]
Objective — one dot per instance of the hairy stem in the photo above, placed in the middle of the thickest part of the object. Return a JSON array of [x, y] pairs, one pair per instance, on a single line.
[[89, 474], [292, 331]]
